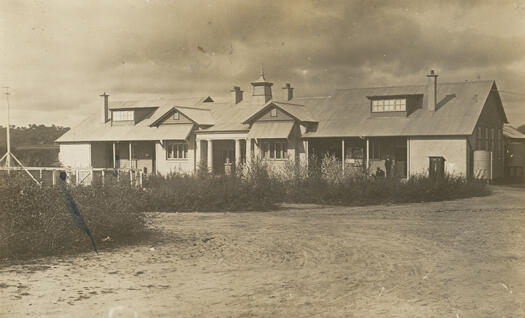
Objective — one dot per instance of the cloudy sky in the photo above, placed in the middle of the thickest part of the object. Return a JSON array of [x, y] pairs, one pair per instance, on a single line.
[[58, 56]]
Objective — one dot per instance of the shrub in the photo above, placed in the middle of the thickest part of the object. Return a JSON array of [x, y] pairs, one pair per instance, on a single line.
[[36, 221], [252, 190], [364, 190]]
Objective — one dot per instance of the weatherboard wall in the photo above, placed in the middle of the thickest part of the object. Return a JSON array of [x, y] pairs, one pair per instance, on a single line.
[[75, 155], [453, 149], [166, 166]]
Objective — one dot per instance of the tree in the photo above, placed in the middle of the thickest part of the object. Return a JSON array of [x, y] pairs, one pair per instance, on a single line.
[[34, 145]]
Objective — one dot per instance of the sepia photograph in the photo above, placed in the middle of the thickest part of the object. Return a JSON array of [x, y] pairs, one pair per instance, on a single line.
[[277, 158]]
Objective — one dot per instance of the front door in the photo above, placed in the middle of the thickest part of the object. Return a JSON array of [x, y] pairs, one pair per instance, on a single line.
[[228, 159], [223, 156], [143, 156]]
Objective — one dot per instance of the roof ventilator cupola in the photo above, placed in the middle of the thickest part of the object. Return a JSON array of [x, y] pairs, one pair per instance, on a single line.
[[262, 90]]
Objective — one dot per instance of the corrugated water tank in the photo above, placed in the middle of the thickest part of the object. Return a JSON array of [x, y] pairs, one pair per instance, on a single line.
[[483, 164]]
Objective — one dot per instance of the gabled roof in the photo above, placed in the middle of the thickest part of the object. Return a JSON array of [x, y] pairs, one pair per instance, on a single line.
[[229, 116], [296, 111], [512, 133], [92, 129], [347, 112], [200, 116], [344, 114]]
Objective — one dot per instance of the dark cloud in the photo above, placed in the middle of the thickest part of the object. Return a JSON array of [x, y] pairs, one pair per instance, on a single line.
[[61, 55]]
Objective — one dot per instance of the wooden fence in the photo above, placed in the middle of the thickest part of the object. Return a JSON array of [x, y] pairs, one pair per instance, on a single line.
[[51, 175]]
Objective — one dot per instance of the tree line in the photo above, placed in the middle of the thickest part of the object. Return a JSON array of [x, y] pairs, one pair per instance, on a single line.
[[33, 144]]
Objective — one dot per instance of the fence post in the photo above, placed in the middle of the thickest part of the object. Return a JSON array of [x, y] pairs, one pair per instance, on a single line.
[[77, 176], [103, 177], [140, 178], [40, 175], [54, 177], [131, 177]]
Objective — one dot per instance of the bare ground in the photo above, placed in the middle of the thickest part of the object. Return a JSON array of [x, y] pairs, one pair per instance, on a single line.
[[462, 258]]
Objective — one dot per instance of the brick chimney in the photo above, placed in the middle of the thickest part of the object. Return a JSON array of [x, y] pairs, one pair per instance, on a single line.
[[236, 94], [288, 93], [105, 111], [432, 91]]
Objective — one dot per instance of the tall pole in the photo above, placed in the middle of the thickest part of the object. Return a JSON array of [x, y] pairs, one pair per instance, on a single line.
[[8, 154], [8, 135]]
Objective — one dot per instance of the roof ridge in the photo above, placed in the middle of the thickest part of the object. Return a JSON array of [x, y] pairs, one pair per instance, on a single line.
[[411, 85], [287, 103], [303, 97], [155, 99], [191, 107]]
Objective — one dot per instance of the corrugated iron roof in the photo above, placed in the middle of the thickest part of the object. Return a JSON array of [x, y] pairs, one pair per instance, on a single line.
[[347, 113], [229, 116], [160, 102], [511, 132], [297, 111], [271, 129], [92, 129], [199, 115]]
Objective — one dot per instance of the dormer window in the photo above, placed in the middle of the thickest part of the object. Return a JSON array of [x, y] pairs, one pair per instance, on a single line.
[[123, 115], [176, 116], [389, 105]]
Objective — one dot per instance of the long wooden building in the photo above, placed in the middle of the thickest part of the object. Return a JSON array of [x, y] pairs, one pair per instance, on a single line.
[[410, 125]]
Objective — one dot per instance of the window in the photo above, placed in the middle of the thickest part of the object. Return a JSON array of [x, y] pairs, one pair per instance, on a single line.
[[389, 105], [123, 115], [177, 150], [275, 150], [176, 116], [273, 112]]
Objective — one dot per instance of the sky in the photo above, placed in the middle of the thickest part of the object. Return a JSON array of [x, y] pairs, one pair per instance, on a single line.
[[57, 57]]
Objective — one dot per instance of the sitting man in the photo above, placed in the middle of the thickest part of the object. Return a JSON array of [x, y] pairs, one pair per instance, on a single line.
[[379, 173]]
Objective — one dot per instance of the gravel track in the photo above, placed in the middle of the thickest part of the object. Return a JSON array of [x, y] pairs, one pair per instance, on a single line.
[[463, 258]]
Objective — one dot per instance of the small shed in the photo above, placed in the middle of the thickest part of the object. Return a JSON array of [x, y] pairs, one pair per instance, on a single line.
[[514, 154]]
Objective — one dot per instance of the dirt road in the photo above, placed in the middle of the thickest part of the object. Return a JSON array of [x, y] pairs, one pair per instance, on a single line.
[[451, 259]]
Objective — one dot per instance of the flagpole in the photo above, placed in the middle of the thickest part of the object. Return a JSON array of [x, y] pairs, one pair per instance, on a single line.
[[8, 154]]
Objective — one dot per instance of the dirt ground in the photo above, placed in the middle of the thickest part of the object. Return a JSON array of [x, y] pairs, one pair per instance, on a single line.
[[461, 258]]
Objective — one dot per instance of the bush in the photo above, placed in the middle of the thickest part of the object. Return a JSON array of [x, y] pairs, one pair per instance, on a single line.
[[327, 184], [36, 221], [254, 190], [261, 188]]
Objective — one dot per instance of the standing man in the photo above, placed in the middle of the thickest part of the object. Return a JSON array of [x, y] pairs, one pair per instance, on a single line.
[[388, 166]]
